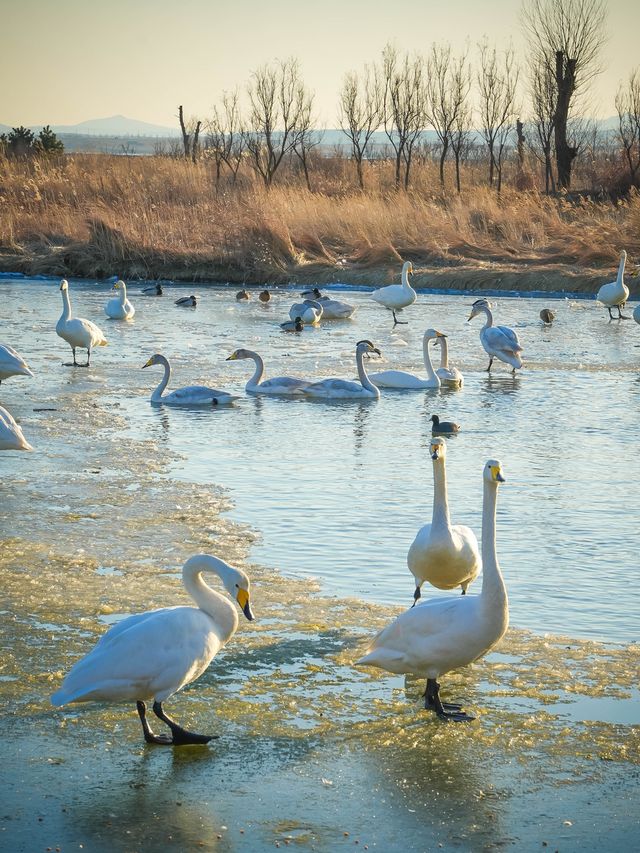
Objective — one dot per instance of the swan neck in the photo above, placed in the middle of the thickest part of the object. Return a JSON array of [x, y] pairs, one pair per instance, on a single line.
[[123, 294], [489, 316], [444, 354], [405, 280], [623, 261], [362, 373], [431, 374], [157, 394], [258, 373], [493, 588], [213, 603], [440, 516], [66, 305]]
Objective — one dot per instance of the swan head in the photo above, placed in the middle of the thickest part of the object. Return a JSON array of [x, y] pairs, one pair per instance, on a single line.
[[438, 447], [478, 307], [238, 586], [155, 359], [407, 268], [433, 335], [366, 346], [118, 285], [64, 284], [239, 353], [493, 472]]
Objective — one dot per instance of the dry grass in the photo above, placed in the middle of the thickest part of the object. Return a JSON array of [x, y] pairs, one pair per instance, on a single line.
[[100, 215]]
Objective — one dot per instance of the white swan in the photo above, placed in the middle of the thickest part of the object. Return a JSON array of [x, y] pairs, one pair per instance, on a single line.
[[190, 395], [119, 308], [615, 293], [76, 331], [443, 634], [498, 341], [11, 436], [343, 389], [152, 655], [332, 309], [395, 297], [448, 375], [402, 379], [277, 385], [443, 554], [12, 363], [309, 311]]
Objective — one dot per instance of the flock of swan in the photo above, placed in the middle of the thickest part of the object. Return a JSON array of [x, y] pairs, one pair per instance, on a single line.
[[150, 656]]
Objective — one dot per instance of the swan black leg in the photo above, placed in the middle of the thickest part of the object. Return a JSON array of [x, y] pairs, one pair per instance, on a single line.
[[490, 363], [610, 314], [416, 595], [622, 316], [180, 736], [397, 322], [149, 736], [446, 710]]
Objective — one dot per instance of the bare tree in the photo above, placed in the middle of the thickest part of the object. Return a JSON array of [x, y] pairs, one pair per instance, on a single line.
[[360, 114], [543, 99], [497, 83], [278, 99], [305, 137], [448, 84], [404, 107], [461, 135], [566, 36], [190, 135], [225, 138], [628, 107]]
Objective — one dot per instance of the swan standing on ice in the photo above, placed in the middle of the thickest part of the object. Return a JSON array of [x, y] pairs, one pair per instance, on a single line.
[[395, 297], [499, 342], [443, 554], [11, 436], [309, 311], [448, 633], [12, 363], [615, 293], [402, 380], [332, 309], [77, 332], [190, 395], [152, 655], [448, 375], [119, 308], [277, 385], [344, 389]]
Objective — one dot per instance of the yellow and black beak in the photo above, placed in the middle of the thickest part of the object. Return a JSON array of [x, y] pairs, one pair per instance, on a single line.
[[435, 451], [243, 600], [498, 476], [148, 364], [231, 357]]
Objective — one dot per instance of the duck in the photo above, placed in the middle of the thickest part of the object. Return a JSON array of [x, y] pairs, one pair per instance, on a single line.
[[615, 293], [309, 311], [343, 389], [242, 296], [119, 308], [11, 435], [547, 316], [446, 427], [296, 325], [445, 555], [12, 363], [278, 385], [76, 331], [443, 634], [190, 395], [187, 301], [395, 297], [153, 290], [400, 379], [264, 296], [332, 309], [499, 342], [152, 655], [449, 376]]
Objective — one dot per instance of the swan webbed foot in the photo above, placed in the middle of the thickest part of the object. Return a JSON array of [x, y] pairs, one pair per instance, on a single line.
[[397, 322], [464, 591], [179, 736], [444, 710], [149, 735]]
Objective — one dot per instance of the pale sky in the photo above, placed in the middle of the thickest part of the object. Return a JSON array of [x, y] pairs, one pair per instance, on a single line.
[[65, 61]]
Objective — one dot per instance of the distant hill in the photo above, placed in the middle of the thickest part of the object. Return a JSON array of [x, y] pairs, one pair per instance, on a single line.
[[116, 126]]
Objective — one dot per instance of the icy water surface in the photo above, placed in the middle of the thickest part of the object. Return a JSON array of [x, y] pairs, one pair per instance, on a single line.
[[319, 502]]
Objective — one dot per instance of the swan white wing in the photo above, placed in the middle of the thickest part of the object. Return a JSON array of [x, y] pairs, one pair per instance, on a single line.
[[11, 435], [12, 363], [196, 395], [394, 296], [282, 385], [333, 309], [501, 338], [450, 376], [400, 380], [151, 655], [333, 388]]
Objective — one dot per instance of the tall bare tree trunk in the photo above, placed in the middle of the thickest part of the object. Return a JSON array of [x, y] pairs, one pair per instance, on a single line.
[[566, 83], [186, 138], [194, 144]]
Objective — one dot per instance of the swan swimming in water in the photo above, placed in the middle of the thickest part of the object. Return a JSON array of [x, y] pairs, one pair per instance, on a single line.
[[12, 363], [278, 385], [400, 379], [190, 395], [615, 293], [119, 308], [344, 389], [152, 655], [448, 375], [76, 331], [332, 309], [498, 341], [444, 555], [11, 435], [395, 297], [443, 634]]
